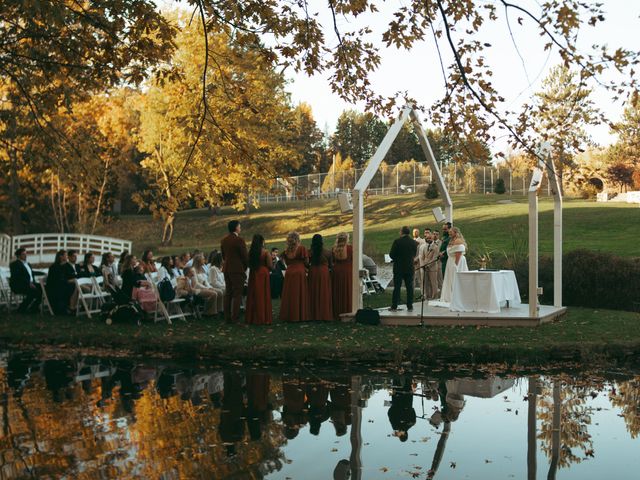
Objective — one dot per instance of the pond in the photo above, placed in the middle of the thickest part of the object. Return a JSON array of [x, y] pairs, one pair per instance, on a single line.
[[105, 418]]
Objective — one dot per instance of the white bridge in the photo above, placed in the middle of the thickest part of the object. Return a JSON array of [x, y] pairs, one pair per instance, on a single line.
[[42, 247]]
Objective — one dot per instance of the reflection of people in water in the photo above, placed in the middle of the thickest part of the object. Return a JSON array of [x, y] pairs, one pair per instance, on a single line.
[[342, 470], [340, 408], [58, 375], [294, 413], [451, 404], [258, 408], [231, 427], [318, 396], [401, 414]]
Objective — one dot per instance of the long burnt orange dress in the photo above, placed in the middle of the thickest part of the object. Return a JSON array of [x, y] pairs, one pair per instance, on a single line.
[[259, 310], [320, 289], [294, 306], [341, 285]]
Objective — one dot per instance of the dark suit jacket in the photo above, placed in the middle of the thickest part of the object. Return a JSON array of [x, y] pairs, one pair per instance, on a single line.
[[403, 251], [20, 280], [234, 253], [71, 270]]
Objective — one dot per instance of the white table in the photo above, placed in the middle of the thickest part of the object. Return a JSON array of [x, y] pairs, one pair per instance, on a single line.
[[482, 291]]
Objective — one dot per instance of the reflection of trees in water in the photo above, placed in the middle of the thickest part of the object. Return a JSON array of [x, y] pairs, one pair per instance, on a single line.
[[54, 427], [626, 396], [575, 416]]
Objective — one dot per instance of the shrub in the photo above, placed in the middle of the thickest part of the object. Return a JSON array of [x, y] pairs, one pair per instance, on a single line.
[[589, 279], [499, 188], [431, 192]]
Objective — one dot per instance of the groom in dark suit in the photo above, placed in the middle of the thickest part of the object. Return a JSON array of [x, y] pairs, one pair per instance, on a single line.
[[23, 282], [403, 251]]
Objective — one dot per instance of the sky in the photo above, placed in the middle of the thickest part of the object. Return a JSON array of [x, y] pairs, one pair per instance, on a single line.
[[517, 73]]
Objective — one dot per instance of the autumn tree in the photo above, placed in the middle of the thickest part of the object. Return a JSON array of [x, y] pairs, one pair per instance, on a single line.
[[308, 140], [621, 174], [562, 111], [628, 131], [53, 54], [240, 143], [358, 135]]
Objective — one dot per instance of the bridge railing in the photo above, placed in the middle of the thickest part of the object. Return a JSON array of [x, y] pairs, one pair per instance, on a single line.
[[42, 247]]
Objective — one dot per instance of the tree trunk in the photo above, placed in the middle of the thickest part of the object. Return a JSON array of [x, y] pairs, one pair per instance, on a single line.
[[167, 229], [16, 200], [100, 196]]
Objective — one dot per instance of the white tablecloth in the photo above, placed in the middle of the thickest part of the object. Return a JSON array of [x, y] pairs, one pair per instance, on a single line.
[[477, 291]]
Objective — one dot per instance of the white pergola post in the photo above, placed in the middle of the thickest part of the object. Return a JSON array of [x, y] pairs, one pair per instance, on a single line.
[[554, 185], [536, 181]]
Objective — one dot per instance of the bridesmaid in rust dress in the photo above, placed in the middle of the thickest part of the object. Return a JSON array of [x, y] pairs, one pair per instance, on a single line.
[[342, 275], [320, 281], [259, 290], [294, 306]]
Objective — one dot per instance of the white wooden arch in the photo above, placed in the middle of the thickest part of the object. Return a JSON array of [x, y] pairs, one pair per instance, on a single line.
[[357, 194]]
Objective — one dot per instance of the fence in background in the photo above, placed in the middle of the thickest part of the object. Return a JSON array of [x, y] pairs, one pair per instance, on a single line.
[[42, 247], [406, 177]]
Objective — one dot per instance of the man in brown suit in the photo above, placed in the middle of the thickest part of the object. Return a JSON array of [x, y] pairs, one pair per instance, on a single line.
[[236, 262], [428, 254]]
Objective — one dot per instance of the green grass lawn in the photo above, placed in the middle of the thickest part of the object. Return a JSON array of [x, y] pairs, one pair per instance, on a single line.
[[486, 224], [582, 335]]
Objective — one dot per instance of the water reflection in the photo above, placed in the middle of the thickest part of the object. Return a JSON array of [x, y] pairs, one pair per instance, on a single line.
[[95, 418]]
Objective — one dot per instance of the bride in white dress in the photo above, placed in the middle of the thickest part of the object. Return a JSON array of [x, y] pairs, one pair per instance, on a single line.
[[456, 262]]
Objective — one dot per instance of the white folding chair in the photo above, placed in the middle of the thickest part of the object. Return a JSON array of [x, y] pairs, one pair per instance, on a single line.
[[45, 298], [90, 300], [98, 285], [368, 287], [5, 292], [166, 310]]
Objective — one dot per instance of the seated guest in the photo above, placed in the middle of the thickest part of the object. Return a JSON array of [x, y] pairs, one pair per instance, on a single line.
[[177, 266], [59, 289], [166, 272], [185, 258], [88, 269], [112, 280], [193, 255], [184, 285], [23, 282], [132, 277], [123, 255], [72, 268], [147, 262], [216, 276], [215, 298]]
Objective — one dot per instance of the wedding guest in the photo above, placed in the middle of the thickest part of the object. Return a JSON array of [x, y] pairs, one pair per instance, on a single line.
[[417, 274], [177, 266], [236, 262], [132, 276], [341, 286], [109, 270], [258, 310], [23, 282], [276, 278], [214, 298], [185, 258], [147, 263], [320, 281], [438, 243], [72, 272], [294, 306], [88, 269], [443, 246], [216, 277], [71, 266], [429, 265], [166, 272], [59, 289], [123, 255], [403, 251], [193, 255]]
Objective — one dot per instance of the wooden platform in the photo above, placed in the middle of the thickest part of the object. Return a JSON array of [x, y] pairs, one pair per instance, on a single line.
[[438, 316]]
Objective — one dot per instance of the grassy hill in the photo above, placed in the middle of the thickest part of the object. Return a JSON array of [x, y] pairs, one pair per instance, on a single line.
[[487, 222]]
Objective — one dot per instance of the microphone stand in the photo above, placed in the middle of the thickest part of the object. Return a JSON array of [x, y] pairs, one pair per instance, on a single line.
[[424, 279]]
